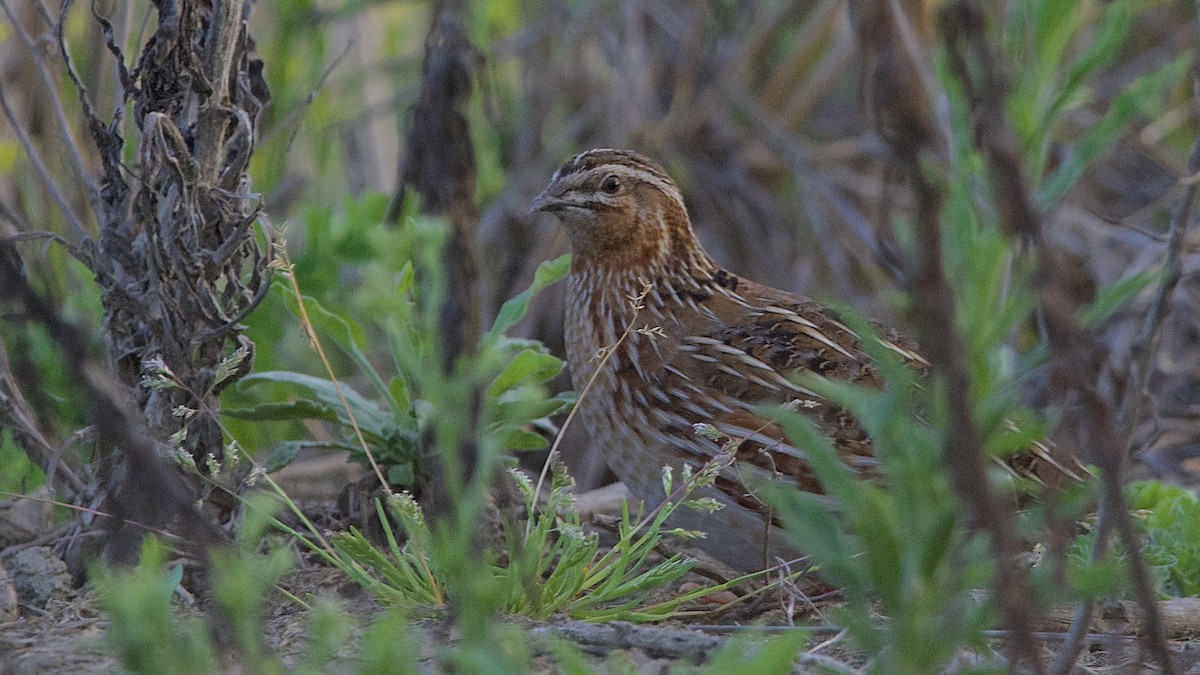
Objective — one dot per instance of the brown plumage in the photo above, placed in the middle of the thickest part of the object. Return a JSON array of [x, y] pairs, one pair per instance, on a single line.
[[707, 346]]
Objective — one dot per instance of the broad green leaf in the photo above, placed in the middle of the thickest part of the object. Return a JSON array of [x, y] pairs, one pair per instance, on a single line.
[[369, 416], [527, 367], [514, 309], [347, 334], [519, 439], [284, 453], [516, 404], [300, 409]]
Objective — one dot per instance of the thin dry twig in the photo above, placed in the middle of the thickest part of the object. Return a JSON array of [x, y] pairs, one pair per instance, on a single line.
[[1150, 338], [1075, 637], [44, 176], [289, 121], [439, 164], [637, 304], [60, 116], [1137, 395]]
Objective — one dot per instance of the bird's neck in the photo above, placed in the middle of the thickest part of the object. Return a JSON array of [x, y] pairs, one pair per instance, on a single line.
[[614, 284], [603, 298], [617, 268], [656, 241]]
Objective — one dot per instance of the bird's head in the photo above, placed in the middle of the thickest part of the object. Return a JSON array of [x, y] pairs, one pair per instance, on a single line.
[[619, 208]]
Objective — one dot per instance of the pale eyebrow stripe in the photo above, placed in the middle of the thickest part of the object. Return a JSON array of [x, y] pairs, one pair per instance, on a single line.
[[664, 184]]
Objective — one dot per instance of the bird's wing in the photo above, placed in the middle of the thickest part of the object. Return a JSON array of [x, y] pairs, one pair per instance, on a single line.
[[765, 336], [740, 349]]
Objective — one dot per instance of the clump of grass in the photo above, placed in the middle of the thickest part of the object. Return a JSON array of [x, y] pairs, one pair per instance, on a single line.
[[550, 567]]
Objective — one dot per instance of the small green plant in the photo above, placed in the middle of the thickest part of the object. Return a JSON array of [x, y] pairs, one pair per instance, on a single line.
[[152, 637], [1054, 47], [896, 541], [549, 566], [142, 620], [152, 634], [390, 419], [1168, 517], [776, 654]]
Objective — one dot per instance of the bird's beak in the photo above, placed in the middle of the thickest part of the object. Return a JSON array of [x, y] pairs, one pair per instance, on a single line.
[[545, 202]]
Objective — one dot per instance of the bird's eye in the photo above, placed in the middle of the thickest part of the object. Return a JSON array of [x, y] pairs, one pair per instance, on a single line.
[[611, 185]]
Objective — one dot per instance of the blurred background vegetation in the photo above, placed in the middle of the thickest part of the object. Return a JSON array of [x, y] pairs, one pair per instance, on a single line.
[[765, 113], [757, 108]]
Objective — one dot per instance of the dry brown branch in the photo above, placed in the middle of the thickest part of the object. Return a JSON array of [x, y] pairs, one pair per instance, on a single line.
[[655, 641], [51, 91], [439, 164], [1150, 337], [153, 494], [179, 275], [1179, 618], [176, 257]]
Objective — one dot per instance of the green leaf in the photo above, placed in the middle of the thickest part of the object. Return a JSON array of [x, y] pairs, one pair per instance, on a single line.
[[518, 404], [514, 309], [1105, 132], [284, 453], [1113, 296], [876, 525], [401, 396], [520, 439], [1055, 22], [9, 152], [404, 284], [1101, 51], [526, 366], [937, 545], [371, 419], [300, 409], [811, 525], [347, 334], [804, 434], [400, 474]]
